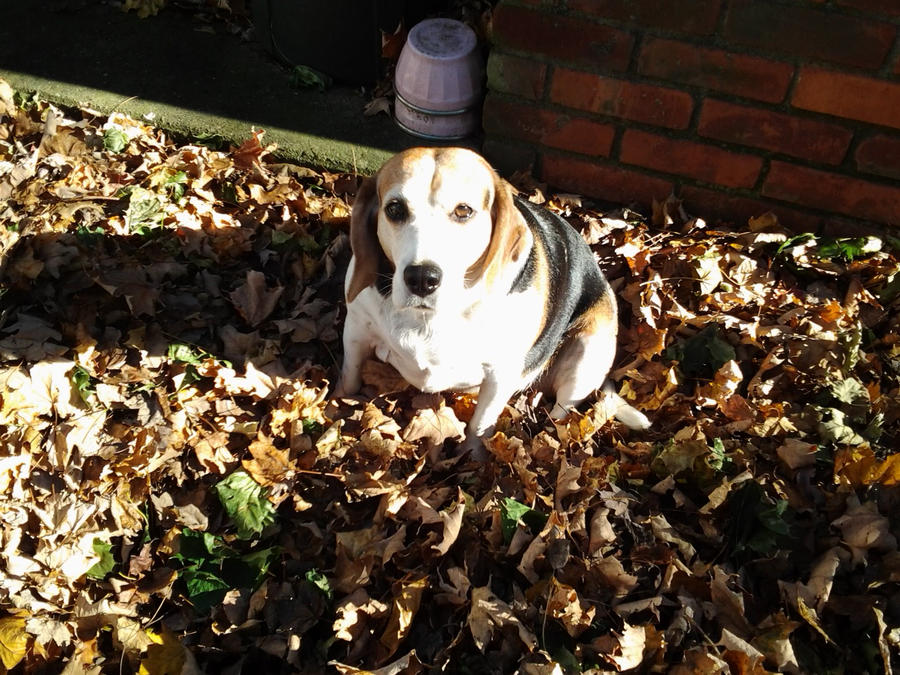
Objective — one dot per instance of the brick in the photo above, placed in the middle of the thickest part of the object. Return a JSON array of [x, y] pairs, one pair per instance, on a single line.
[[714, 205], [515, 75], [644, 103], [878, 6], [809, 139], [833, 192], [736, 74], [603, 181], [850, 96], [698, 17], [686, 158], [880, 155], [565, 38], [809, 33], [547, 127], [507, 156]]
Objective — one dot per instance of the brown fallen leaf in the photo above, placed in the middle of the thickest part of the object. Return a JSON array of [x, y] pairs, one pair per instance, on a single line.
[[863, 529], [408, 664], [452, 519], [354, 613], [564, 605], [407, 599], [253, 299], [488, 613], [434, 426], [624, 651]]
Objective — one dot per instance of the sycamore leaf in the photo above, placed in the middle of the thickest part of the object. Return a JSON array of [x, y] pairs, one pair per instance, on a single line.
[[625, 651], [406, 605], [488, 613], [569, 609], [434, 426], [167, 656], [353, 612], [269, 464], [13, 640], [253, 299]]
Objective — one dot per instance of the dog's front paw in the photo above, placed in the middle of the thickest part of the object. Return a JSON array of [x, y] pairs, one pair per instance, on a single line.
[[347, 386], [473, 446]]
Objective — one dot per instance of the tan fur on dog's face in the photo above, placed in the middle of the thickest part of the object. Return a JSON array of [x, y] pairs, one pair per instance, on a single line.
[[444, 206]]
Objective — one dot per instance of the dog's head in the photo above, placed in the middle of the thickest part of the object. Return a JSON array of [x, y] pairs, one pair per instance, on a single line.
[[443, 220]]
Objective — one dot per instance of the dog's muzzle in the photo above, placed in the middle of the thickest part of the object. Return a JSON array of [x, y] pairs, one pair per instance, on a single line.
[[422, 279]]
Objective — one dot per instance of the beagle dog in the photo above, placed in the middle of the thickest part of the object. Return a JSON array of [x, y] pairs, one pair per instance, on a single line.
[[462, 286]]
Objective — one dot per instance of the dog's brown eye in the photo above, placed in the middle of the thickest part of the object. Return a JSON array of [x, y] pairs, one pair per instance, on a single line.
[[396, 211], [463, 212]]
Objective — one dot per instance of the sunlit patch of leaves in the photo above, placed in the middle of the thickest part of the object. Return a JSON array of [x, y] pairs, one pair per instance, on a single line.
[[179, 492]]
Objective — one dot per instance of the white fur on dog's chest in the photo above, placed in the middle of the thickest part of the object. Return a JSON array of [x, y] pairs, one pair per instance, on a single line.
[[440, 353], [429, 361]]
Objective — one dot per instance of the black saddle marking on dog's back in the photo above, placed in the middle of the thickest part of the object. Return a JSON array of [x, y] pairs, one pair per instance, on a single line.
[[575, 280]]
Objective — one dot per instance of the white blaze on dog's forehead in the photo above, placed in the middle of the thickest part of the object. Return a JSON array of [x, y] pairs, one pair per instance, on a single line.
[[467, 180], [440, 179]]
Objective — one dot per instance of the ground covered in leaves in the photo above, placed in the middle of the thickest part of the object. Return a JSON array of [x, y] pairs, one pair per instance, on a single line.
[[179, 493]]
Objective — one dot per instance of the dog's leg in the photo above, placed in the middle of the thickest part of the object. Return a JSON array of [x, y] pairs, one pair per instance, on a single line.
[[583, 361], [492, 397], [585, 358], [357, 348]]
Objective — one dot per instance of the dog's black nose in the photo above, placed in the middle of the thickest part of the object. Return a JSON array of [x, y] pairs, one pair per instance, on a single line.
[[422, 279]]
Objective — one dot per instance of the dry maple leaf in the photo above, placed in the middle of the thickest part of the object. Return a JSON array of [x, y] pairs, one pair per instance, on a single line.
[[488, 613], [407, 600], [253, 299], [569, 609]]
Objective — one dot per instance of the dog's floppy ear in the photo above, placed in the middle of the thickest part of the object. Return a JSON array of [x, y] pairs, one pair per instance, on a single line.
[[364, 238], [508, 236]]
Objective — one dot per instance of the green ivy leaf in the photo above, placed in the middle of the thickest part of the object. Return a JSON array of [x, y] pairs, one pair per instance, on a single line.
[[703, 354], [81, 378], [182, 353], [306, 77], [849, 391], [835, 427], [512, 513], [205, 588], [756, 524], [145, 211], [320, 581], [106, 563], [246, 504], [211, 567], [115, 139]]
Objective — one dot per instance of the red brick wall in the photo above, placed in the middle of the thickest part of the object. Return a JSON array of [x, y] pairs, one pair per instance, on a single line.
[[737, 106]]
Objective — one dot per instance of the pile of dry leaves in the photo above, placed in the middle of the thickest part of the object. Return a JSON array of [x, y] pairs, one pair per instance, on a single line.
[[178, 493]]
